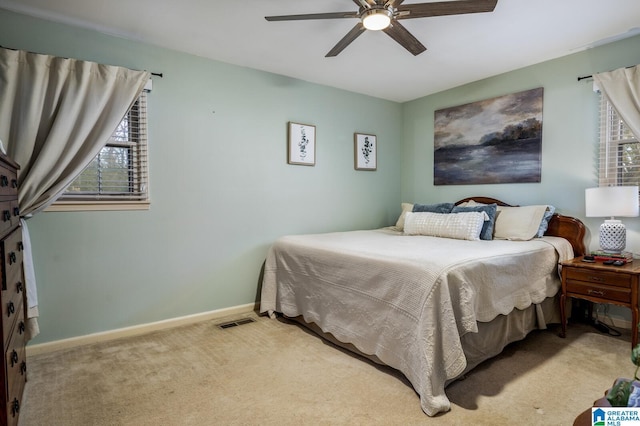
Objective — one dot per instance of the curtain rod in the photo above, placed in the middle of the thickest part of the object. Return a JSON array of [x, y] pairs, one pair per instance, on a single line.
[[157, 74], [589, 76]]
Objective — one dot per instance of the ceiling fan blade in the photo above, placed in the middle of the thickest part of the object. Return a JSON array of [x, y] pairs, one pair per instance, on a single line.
[[331, 15], [365, 4], [346, 40], [441, 8], [405, 38]]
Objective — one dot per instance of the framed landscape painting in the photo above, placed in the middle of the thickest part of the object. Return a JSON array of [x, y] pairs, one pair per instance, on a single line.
[[301, 144], [497, 140]]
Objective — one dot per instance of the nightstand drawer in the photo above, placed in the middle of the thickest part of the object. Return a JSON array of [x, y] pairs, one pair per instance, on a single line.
[[619, 294], [599, 277]]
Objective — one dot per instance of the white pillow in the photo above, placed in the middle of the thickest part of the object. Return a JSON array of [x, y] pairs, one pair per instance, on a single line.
[[470, 203], [518, 223], [406, 207], [461, 226]]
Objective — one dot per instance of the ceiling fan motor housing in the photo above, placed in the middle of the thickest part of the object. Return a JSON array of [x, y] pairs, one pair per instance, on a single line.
[[377, 17]]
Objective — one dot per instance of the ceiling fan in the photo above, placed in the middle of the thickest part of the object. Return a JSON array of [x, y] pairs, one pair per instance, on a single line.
[[385, 14]]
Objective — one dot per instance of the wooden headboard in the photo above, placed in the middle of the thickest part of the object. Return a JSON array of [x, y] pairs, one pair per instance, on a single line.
[[567, 227]]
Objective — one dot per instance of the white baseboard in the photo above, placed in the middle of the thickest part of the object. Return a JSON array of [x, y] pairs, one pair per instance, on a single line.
[[137, 330], [618, 322], [618, 319]]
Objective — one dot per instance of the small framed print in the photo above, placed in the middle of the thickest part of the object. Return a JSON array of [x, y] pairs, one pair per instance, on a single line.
[[365, 151], [302, 144]]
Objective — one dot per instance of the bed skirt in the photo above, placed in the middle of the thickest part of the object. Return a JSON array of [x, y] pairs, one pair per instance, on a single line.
[[490, 340]]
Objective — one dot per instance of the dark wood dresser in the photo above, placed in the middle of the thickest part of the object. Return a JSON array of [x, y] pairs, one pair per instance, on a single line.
[[12, 296]]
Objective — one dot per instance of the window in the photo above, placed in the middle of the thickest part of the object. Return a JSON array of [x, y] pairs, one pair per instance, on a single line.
[[619, 157], [117, 178]]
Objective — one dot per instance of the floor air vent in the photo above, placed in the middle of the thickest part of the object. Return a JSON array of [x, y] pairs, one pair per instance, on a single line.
[[236, 323]]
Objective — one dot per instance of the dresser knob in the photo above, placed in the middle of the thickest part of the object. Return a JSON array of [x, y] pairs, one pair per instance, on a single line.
[[21, 327], [19, 287], [14, 358], [6, 215], [16, 211], [23, 368], [20, 246], [12, 258], [14, 183], [4, 181], [15, 407]]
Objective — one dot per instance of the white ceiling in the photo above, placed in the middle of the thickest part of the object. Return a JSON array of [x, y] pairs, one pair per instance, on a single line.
[[460, 49]]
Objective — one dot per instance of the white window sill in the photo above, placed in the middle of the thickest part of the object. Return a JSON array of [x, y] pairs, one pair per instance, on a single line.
[[79, 206]]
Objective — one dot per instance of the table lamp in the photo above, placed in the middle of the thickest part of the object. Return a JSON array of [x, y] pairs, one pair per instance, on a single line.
[[611, 201]]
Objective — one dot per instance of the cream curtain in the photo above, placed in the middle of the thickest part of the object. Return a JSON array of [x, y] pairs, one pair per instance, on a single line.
[[622, 89], [55, 116]]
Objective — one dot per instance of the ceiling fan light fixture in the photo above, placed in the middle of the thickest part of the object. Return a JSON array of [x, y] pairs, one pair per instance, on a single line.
[[376, 19]]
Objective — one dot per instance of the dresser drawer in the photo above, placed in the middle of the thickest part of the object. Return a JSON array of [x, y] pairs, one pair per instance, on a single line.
[[12, 296], [15, 357], [9, 215], [14, 398], [619, 294], [16, 380], [12, 304], [8, 181], [13, 406], [599, 277], [12, 249]]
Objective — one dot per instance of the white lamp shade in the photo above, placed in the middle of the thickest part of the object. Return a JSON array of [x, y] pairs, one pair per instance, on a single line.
[[612, 201]]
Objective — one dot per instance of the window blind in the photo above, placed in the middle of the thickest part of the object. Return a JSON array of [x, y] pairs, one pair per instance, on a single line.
[[120, 171], [619, 154]]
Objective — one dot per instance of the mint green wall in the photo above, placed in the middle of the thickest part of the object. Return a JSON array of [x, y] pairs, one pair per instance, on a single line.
[[221, 189], [569, 140]]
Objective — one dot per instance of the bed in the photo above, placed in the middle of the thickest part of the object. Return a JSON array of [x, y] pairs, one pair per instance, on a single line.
[[431, 306]]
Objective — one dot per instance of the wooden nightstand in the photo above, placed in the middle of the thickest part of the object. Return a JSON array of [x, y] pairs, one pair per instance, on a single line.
[[601, 283]]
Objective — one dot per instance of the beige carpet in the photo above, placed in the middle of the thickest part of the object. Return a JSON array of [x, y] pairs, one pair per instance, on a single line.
[[276, 373]]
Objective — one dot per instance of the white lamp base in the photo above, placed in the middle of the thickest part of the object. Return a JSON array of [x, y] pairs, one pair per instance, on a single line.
[[613, 236]]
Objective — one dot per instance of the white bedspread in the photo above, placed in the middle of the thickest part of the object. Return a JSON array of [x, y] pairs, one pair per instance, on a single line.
[[408, 299]]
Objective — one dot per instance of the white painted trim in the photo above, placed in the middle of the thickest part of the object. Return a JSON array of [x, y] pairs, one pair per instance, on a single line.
[[618, 322], [601, 313], [137, 330], [81, 206]]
